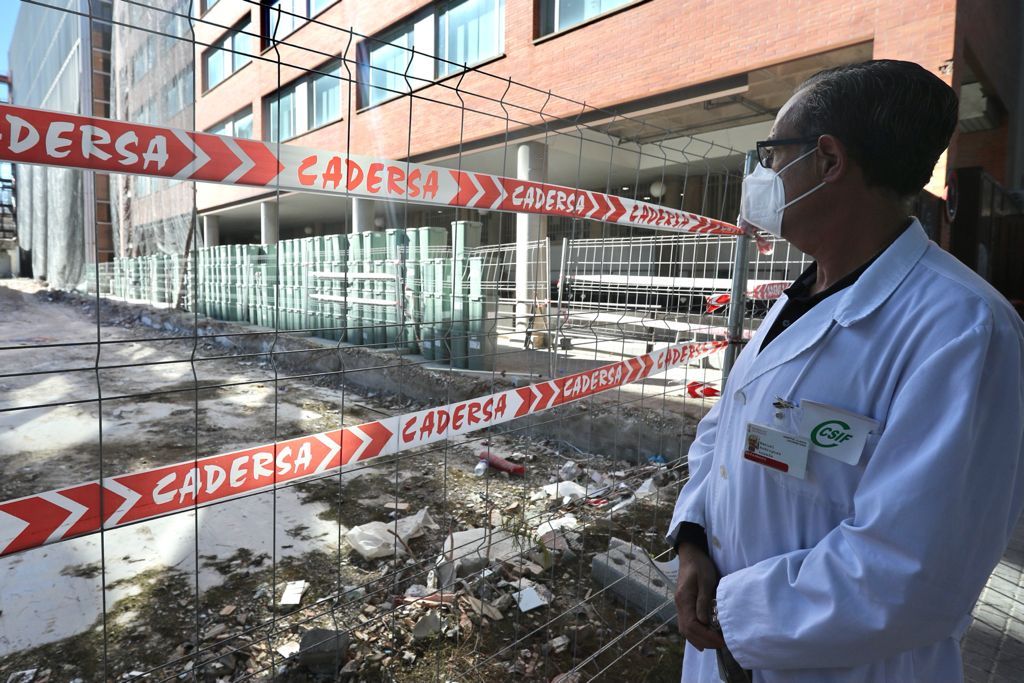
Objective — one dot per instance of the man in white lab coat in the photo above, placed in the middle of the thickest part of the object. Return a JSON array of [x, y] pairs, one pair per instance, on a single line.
[[862, 473]]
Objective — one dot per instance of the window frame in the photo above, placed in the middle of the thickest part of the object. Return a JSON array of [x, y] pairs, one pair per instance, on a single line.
[[233, 119], [408, 25], [232, 51], [499, 30], [304, 90], [539, 8], [267, 41]]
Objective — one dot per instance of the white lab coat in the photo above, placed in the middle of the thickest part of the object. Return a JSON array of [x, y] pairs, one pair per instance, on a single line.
[[869, 572]]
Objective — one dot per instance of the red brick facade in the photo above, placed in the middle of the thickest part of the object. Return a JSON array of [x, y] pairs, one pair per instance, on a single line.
[[650, 47]]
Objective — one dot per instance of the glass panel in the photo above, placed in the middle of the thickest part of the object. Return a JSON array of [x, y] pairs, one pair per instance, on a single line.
[[319, 6], [242, 44], [327, 97], [283, 16], [243, 126], [388, 62], [282, 116], [558, 15], [215, 67], [468, 33]]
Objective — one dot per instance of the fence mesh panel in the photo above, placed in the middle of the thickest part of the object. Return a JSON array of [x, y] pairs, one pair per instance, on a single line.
[[445, 448]]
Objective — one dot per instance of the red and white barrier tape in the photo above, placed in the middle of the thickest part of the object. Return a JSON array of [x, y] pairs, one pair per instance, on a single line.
[[73, 511], [38, 136], [768, 291]]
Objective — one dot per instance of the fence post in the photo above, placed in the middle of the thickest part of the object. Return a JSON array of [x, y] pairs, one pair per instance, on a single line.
[[739, 286]]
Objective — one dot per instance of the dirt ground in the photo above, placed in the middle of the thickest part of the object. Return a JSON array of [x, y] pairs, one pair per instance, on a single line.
[[200, 591]]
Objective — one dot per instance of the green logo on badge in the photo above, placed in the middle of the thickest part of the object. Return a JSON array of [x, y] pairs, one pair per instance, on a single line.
[[830, 434]]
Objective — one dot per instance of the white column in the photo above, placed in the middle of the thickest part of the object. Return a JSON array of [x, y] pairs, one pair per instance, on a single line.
[[270, 231], [211, 231], [363, 214], [531, 283]]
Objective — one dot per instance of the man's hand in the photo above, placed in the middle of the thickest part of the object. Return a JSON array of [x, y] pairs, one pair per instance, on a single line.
[[695, 589]]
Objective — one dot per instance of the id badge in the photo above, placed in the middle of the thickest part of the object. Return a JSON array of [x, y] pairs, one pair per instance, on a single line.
[[776, 449], [835, 432]]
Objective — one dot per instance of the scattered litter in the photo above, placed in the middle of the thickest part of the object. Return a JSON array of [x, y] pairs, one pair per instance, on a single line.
[[473, 549], [26, 676], [227, 611], [559, 644], [396, 506], [657, 460], [378, 539], [624, 503], [569, 471], [502, 465], [571, 677], [428, 625], [484, 608], [293, 591], [646, 489], [600, 478], [288, 649], [567, 490], [565, 522], [531, 598], [481, 468]]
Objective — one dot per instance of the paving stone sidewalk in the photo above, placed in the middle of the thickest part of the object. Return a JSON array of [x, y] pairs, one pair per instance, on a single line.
[[994, 645]]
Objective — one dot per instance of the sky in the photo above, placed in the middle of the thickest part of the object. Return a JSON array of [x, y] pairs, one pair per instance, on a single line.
[[8, 13]]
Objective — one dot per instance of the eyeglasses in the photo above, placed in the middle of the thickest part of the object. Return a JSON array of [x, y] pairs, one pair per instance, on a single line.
[[766, 148]]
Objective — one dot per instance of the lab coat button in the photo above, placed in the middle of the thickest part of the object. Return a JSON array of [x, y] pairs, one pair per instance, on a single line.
[[724, 472], [741, 398], [715, 542]]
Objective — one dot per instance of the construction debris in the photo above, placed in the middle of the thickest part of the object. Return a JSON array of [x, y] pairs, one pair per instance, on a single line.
[[638, 580], [380, 539], [292, 595]]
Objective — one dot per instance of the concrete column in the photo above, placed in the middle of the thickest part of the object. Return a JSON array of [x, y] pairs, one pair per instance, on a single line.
[[362, 214], [270, 231], [673, 188], [531, 282], [211, 231]]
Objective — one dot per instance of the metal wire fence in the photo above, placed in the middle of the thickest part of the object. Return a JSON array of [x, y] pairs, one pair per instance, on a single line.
[[443, 450]]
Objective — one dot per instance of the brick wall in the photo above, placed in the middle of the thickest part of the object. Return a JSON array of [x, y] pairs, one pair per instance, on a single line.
[[653, 47]]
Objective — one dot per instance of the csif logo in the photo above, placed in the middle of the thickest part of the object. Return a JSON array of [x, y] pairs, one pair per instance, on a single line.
[[831, 433]]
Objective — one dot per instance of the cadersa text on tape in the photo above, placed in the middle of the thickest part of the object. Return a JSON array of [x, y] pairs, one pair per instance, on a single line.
[[61, 139], [429, 424], [372, 178], [242, 472], [126, 498], [592, 381], [529, 197]]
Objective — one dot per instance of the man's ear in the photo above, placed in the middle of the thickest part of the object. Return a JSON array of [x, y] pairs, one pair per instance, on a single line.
[[832, 160]]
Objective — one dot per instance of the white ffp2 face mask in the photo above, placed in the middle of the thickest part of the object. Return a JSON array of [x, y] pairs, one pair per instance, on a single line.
[[763, 198]]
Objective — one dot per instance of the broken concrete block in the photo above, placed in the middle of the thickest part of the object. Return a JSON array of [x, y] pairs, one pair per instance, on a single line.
[[636, 579], [323, 651], [466, 552], [428, 625]]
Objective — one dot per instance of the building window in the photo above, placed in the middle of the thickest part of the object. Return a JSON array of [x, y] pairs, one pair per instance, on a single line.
[[143, 60], [326, 94], [387, 60], [305, 104], [227, 55], [239, 125], [463, 32], [318, 6], [468, 32], [283, 114], [559, 15], [179, 94]]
